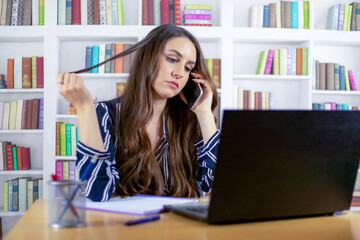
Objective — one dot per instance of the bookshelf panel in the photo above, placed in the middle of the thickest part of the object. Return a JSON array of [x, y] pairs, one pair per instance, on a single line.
[[351, 99]]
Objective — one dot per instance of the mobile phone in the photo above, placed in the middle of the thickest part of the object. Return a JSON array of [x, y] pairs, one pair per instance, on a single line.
[[192, 92]]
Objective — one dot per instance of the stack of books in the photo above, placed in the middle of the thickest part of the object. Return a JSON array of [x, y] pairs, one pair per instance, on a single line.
[[355, 202], [334, 106], [281, 14], [94, 12], [344, 17], [99, 53], [66, 139], [159, 12], [21, 193], [66, 170], [283, 61], [14, 157], [254, 100], [25, 72], [22, 114], [21, 12], [214, 66], [197, 15], [332, 76]]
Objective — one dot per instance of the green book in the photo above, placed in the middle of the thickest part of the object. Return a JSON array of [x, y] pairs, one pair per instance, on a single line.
[[120, 12], [210, 65], [68, 139], [12, 116], [347, 82], [306, 14], [41, 12], [33, 72], [65, 168], [262, 62], [23, 194], [283, 61], [14, 158], [305, 61], [6, 196], [349, 18], [62, 139], [277, 62]]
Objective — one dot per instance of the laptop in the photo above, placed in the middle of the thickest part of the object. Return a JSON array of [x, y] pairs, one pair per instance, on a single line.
[[281, 164]]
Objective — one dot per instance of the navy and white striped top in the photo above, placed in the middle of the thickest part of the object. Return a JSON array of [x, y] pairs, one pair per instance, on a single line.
[[105, 176]]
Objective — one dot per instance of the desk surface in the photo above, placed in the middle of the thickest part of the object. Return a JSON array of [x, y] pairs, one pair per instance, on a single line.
[[103, 225]]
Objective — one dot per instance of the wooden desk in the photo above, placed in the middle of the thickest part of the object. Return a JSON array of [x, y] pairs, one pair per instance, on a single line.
[[102, 225]]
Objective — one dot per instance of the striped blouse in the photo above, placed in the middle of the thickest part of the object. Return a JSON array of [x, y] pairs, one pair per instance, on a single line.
[[105, 176]]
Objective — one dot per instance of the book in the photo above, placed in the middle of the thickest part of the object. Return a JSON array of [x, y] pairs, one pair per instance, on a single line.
[[95, 58], [33, 72], [347, 82], [322, 76], [57, 140], [89, 13], [217, 72], [41, 114], [266, 15], [76, 12], [305, 61], [357, 17], [164, 12], [41, 13], [6, 196], [333, 17], [330, 79], [336, 77], [294, 14], [68, 139], [119, 47], [40, 72], [73, 140], [298, 61], [317, 74], [262, 62], [23, 193], [101, 69], [120, 15], [19, 112], [12, 116], [120, 87], [18, 158], [253, 16], [272, 15], [137, 205], [269, 61], [10, 73], [306, 14], [352, 81], [342, 77], [283, 61], [341, 16], [102, 12], [62, 139], [300, 14], [6, 116], [30, 185], [25, 158], [35, 113]]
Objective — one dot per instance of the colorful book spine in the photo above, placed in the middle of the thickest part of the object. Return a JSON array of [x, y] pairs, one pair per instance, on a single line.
[[266, 13], [306, 15], [269, 62], [305, 61], [352, 81], [41, 13], [95, 58], [342, 77], [262, 62], [33, 72], [294, 14]]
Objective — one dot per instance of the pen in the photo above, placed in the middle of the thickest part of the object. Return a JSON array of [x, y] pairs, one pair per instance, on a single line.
[[83, 177], [143, 220], [72, 208]]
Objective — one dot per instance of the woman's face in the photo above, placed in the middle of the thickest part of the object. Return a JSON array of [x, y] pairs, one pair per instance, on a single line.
[[176, 62]]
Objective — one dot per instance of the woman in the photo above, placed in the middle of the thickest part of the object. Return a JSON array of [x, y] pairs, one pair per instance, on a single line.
[[149, 141]]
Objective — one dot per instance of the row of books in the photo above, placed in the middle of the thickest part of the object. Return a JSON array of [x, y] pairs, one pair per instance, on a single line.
[[214, 66], [254, 100], [344, 17], [90, 12], [355, 201], [21, 193], [99, 53], [66, 170], [332, 76], [158, 12], [25, 72], [21, 12], [198, 15], [14, 157], [333, 106], [283, 61], [66, 139], [22, 114], [281, 14]]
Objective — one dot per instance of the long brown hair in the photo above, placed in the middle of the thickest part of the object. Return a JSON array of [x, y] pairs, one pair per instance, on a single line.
[[139, 171]]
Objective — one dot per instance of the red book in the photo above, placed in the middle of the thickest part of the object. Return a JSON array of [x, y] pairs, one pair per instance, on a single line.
[[96, 12], [165, 12], [177, 12], [24, 112], [18, 158], [25, 157], [10, 73], [40, 72], [76, 15], [150, 9], [35, 113], [9, 157], [145, 20]]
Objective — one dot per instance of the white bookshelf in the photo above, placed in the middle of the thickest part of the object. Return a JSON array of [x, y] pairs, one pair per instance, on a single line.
[[230, 39]]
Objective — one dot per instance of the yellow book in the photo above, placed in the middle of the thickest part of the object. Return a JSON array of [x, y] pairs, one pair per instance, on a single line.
[[12, 118]]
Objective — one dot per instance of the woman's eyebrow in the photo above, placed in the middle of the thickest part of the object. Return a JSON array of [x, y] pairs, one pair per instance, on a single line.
[[180, 55]]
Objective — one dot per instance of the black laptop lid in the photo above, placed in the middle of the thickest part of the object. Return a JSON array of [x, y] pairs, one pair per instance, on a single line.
[[281, 164]]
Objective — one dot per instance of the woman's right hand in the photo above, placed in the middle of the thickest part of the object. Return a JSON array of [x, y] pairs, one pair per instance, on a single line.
[[72, 88]]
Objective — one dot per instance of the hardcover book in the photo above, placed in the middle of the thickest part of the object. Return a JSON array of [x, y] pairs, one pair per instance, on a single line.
[[26, 72]]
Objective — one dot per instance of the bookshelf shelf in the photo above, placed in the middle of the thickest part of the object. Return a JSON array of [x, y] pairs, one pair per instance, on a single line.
[[269, 77], [23, 172], [104, 75], [65, 157], [334, 93], [10, 91], [66, 116], [10, 213], [24, 131]]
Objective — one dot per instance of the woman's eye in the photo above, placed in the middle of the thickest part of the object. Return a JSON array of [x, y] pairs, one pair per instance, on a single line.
[[171, 60], [187, 69]]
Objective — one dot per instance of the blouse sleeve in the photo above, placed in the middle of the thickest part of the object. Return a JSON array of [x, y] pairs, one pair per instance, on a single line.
[[207, 157], [105, 176]]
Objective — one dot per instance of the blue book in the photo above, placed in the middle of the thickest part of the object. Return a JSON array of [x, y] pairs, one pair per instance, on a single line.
[[10, 206], [345, 106], [339, 106], [68, 12], [315, 106], [357, 17], [88, 57], [342, 77], [95, 58], [321, 106], [266, 16], [107, 56], [294, 14], [333, 17]]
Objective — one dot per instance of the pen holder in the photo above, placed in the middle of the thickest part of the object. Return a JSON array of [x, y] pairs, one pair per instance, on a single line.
[[67, 203]]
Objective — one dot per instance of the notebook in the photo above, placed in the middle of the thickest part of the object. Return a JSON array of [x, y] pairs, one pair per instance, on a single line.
[[281, 164], [137, 205]]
